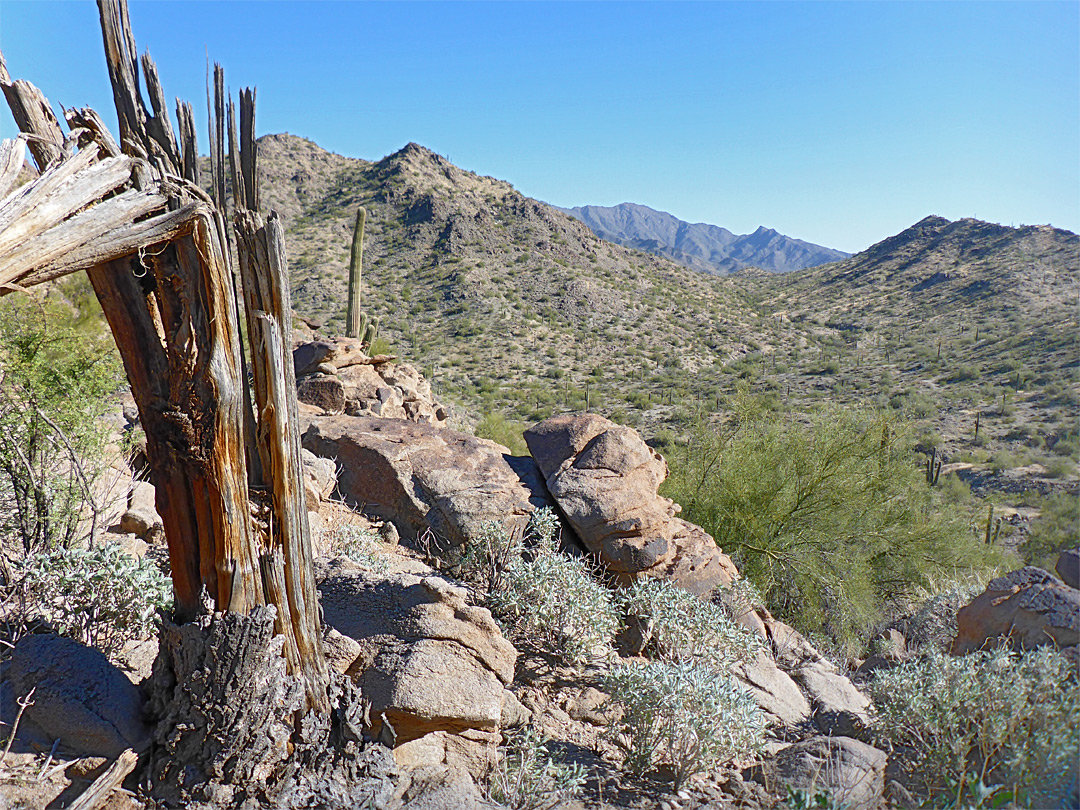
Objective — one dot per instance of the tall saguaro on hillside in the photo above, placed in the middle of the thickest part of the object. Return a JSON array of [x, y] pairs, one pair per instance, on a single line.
[[228, 476]]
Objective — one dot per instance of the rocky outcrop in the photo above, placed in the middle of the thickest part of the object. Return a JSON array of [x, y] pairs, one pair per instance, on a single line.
[[434, 668], [79, 696], [422, 477], [334, 374], [1029, 608], [605, 479]]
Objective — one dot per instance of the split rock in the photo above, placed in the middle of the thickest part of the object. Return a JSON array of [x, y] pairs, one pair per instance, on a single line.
[[605, 478], [428, 661]]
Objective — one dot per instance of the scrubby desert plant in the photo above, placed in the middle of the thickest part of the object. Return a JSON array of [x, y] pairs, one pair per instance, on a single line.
[[677, 626], [552, 602], [996, 717], [684, 715], [538, 594], [526, 776], [101, 596], [359, 544]]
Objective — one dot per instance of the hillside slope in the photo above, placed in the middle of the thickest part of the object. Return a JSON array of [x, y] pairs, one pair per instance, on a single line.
[[507, 303], [517, 310], [707, 248]]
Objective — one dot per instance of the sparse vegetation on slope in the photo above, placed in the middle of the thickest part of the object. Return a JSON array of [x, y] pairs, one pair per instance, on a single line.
[[516, 312]]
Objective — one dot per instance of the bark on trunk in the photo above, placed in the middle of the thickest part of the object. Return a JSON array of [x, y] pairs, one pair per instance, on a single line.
[[224, 741]]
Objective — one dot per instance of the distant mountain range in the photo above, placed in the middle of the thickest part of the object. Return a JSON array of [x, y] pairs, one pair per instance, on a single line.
[[702, 247]]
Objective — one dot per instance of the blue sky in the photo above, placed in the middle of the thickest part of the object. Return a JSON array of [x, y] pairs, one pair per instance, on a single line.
[[838, 123]]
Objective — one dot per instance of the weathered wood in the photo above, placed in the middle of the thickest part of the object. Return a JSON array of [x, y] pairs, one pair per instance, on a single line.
[[158, 125], [117, 243], [58, 194], [12, 152], [34, 115], [75, 232], [172, 316], [226, 730], [235, 177], [217, 139], [120, 58], [263, 268], [248, 154], [89, 120], [114, 776], [157, 256], [189, 152]]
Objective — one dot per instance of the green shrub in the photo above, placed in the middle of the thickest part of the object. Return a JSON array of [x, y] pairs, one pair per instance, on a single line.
[[684, 715], [678, 626], [102, 596], [830, 518], [1056, 528], [507, 432], [55, 385], [1004, 718], [527, 778]]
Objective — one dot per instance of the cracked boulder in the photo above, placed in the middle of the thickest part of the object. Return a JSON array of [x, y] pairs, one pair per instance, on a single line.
[[433, 667], [605, 478]]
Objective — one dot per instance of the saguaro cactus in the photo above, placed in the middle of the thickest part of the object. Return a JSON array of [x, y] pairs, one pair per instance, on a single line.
[[356, 261]]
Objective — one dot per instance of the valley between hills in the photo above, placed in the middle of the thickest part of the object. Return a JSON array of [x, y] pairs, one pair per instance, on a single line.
[[517, 311]]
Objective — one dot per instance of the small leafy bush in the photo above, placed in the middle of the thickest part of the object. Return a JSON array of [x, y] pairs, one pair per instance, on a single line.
[[538, 594], [101, 596], [551, 599], [678, 626], [1011, 719], [527, 778], [682, 714]]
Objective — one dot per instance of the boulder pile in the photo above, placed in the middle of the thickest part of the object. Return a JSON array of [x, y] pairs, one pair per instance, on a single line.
[[333, 374]]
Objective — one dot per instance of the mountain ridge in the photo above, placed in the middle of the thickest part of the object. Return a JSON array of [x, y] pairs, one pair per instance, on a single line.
[[515, 309], [701, 246]]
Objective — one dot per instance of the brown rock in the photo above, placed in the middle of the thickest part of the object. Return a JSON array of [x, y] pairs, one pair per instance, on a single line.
[[419, 476], [323, 391], [142, 518], [320, 478], [79, 696], [429, 662], [605, 479], [851, 771], [1068, 567], [1029, 607]]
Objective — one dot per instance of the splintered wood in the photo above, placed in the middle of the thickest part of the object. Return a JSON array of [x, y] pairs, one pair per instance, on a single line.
[[157, 253]]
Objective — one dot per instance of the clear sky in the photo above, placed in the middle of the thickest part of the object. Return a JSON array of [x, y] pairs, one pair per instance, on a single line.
[[836, 122]]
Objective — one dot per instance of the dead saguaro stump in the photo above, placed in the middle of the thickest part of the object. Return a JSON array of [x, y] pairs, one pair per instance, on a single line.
[[247, 711]]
